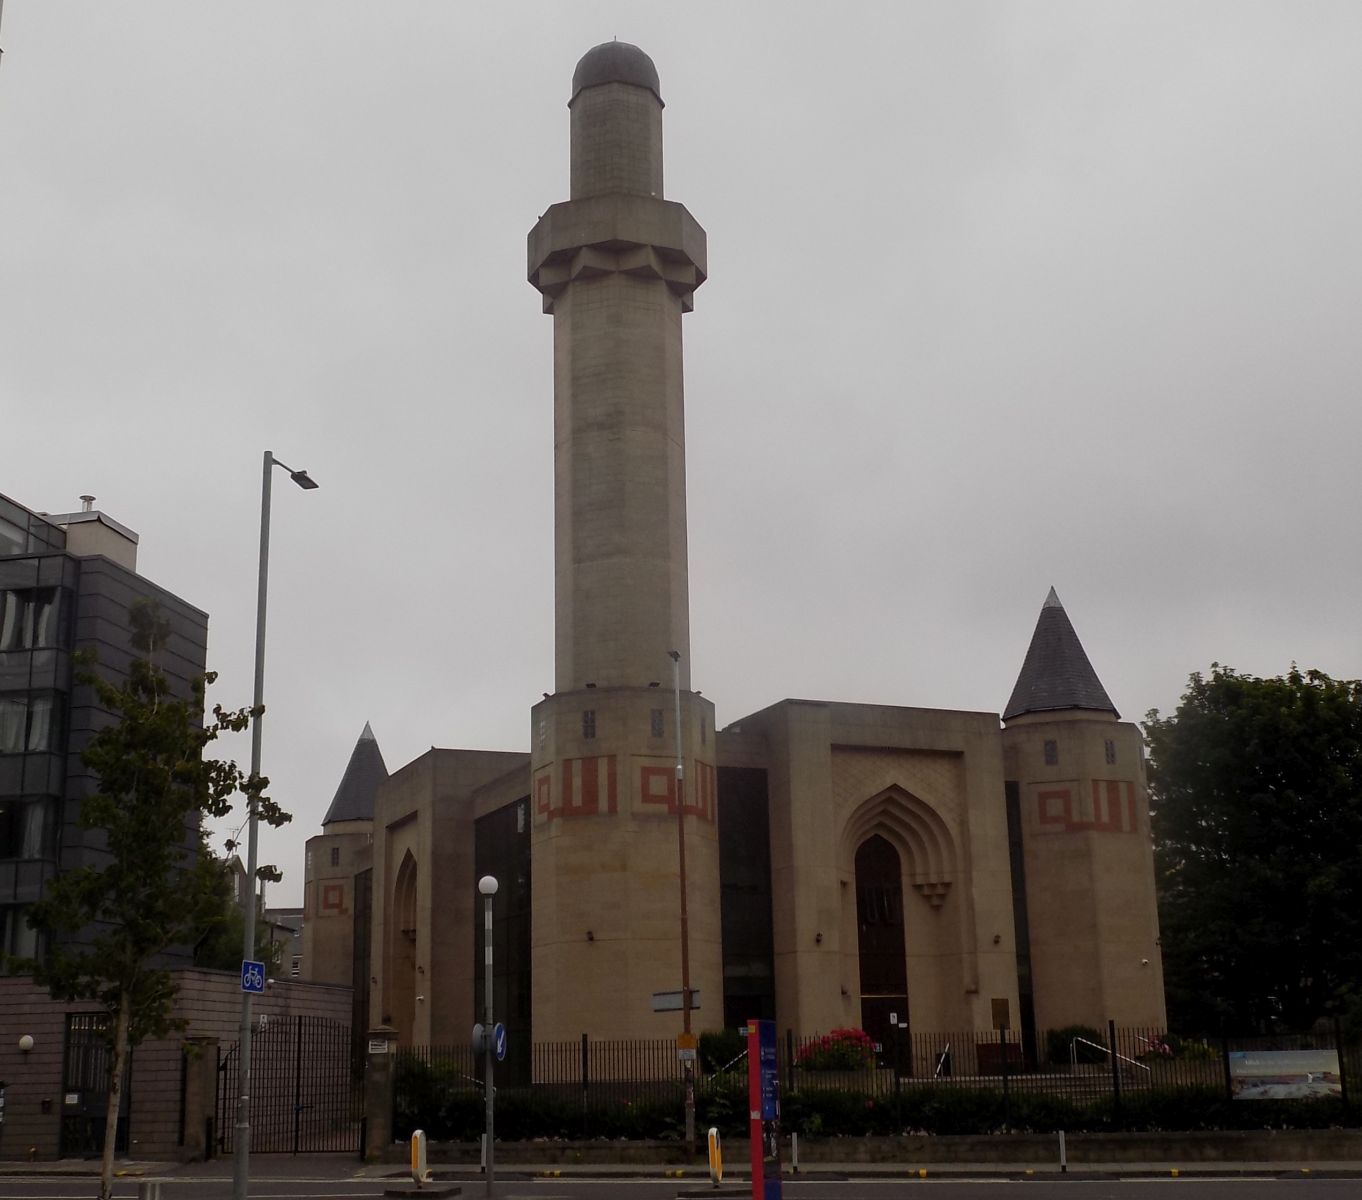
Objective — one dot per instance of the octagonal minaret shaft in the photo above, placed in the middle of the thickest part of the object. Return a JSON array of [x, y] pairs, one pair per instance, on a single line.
[[617, 265]]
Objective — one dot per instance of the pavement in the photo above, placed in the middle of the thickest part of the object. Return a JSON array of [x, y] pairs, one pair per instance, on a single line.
[[347, 1167]]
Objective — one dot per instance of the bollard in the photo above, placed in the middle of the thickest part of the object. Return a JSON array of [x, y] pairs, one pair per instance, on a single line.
[[420, 1173], [1063, 1154], [794, 1153], [716, 1158], [149, 1189]]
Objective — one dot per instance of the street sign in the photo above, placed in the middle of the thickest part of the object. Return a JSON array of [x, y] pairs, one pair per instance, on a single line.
[[1000, 1013], [479, 1039], [671, 1001], [252, 976], [686, 1044], [499, 1041], [763, 1102]]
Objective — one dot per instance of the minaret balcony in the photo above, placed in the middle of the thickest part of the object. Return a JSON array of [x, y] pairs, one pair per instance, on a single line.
[[600, 235]]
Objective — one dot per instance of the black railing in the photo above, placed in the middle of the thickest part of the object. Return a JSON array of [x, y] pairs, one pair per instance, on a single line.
[[634, 1088]]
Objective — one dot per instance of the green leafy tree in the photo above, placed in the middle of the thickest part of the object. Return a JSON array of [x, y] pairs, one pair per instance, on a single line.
[[1256, 787], [217, 943], [106, 928]]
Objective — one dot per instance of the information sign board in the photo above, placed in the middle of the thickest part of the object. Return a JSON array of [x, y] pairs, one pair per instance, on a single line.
[[763, 1095]]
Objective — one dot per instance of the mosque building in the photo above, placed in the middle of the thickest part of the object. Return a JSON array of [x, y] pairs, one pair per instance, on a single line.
[[845, 864]]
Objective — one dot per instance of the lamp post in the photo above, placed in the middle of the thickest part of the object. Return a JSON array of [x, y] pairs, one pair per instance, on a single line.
[[688, 1067], [241, 1142], [487, 885]]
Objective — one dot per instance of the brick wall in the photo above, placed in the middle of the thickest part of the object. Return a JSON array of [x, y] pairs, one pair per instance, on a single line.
[[209, 1000], [33, 1080]]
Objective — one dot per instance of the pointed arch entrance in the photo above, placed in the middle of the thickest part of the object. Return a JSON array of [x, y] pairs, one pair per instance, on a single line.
[[403, 943], [880, 939], [901, 859]]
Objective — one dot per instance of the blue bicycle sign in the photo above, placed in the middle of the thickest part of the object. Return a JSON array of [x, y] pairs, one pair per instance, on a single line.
[[252, 976]]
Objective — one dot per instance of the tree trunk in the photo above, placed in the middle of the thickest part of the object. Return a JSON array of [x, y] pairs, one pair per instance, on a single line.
[[120, 1057]]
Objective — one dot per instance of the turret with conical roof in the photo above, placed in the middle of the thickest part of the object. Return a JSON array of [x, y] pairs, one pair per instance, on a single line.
[[1056, 674], [337, 872], [354, 798], [1088, 934]]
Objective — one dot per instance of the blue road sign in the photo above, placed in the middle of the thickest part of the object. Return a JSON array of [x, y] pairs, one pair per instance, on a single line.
[[252, 976], [499, 1041]]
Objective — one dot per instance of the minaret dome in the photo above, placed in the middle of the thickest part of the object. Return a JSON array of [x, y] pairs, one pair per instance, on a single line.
[[616, 123], [616, 62]]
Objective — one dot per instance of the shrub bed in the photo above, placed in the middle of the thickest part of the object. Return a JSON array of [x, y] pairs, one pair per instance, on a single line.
[[434, 1099]]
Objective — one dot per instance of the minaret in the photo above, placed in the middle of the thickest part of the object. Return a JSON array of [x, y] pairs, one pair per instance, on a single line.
[[1076, 788], [617, 266]]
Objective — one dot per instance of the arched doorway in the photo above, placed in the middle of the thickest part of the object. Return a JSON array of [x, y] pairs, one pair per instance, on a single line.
[[880, 943]]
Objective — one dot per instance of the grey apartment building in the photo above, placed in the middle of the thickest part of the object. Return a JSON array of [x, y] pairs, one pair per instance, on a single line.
[[66, 584]]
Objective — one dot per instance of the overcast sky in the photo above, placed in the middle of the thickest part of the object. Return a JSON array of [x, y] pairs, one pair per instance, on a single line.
[[1001, 296]]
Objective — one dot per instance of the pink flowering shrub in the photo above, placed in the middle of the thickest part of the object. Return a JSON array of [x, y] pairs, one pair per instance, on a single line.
[[840, 1050]]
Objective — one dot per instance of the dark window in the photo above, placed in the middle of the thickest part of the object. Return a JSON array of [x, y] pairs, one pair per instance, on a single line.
[[31, 722], [658, 729], [17, 936], [1051, 752], [30, 618], [1021, 921], [704, 730], [745, 896], [1111, 751], [13, 538], [28, 827], [501, 847], [588, 722], [24, 532], [359, 978], [335, 856]]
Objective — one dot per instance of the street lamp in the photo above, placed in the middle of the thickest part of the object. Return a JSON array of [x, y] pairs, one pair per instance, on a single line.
[[241, 1144], [688, 1066], [487, 885]]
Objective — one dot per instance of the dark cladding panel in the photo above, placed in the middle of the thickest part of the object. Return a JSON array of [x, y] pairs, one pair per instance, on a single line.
[[1021, 920], [362, 959], [745, 896], [501, 847]]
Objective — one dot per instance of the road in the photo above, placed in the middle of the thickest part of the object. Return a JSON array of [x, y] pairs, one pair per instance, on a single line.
[[263, 1187]]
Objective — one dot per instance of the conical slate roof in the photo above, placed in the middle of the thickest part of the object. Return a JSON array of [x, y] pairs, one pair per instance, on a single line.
[[354, 799], [1056, 674]]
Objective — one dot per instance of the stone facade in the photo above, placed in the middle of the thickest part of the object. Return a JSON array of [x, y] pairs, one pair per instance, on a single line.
[[1090, 853], [333, 859], [425, 900]]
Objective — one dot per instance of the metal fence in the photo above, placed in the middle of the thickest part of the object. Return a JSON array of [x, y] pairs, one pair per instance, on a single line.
[[588, 1076], [1084, 1067], [1088, 1068]]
